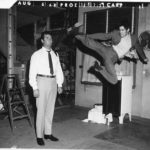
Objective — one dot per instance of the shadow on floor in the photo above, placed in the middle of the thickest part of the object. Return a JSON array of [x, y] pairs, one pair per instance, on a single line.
[[135, 135], [75, 134]]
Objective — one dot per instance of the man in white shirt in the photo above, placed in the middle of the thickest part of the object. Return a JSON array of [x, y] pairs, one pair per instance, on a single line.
[[46, 78], [122, 42]]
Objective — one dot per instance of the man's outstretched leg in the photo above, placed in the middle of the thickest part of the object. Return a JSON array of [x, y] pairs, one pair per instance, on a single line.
[[106, 53], [102, 73]]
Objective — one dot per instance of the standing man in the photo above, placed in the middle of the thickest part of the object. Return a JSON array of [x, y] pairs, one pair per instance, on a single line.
[[46, 78]]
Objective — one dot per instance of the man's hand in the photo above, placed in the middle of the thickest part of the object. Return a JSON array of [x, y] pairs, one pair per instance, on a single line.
[[36, 93], [146, 60], [132, 54], [60, 90]]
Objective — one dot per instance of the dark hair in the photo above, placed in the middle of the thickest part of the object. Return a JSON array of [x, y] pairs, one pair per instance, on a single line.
[[125, 23], [145, 39], [45, 33], [39, 42]]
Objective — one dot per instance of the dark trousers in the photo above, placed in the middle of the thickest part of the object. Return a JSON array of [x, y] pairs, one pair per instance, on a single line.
[[111, 99], [108, 55]]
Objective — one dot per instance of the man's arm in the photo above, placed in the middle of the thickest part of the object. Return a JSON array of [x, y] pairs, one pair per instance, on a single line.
[[59, 76], [100, 36], [33, 73], [104, 36]]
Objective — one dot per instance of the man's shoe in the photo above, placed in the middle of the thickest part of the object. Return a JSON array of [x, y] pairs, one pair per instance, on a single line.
[[51, 137], [74, 30], [78, 24], [91, 70], [97, 66], [40, 142]]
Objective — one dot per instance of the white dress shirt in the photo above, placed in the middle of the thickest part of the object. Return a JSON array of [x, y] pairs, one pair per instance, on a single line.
[[123, 47], [39, 64]]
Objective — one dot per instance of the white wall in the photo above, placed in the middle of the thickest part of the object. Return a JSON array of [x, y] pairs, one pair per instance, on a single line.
[[87, 95], [141, 100], [145, 111]]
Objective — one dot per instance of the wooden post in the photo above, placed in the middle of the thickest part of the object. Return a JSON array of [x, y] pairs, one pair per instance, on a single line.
[[11, 41]]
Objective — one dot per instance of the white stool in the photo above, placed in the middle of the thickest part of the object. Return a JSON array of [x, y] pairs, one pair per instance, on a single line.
[[126, 97]]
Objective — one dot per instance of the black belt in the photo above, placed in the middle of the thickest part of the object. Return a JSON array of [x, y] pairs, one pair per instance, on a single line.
[[46, 76]]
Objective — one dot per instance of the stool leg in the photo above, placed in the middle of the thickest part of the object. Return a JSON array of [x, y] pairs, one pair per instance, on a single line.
[[28, 113], [130, 117], [121, 118], [10, 111]]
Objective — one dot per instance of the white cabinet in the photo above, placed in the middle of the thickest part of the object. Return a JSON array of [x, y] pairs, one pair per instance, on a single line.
[[126, 97]]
